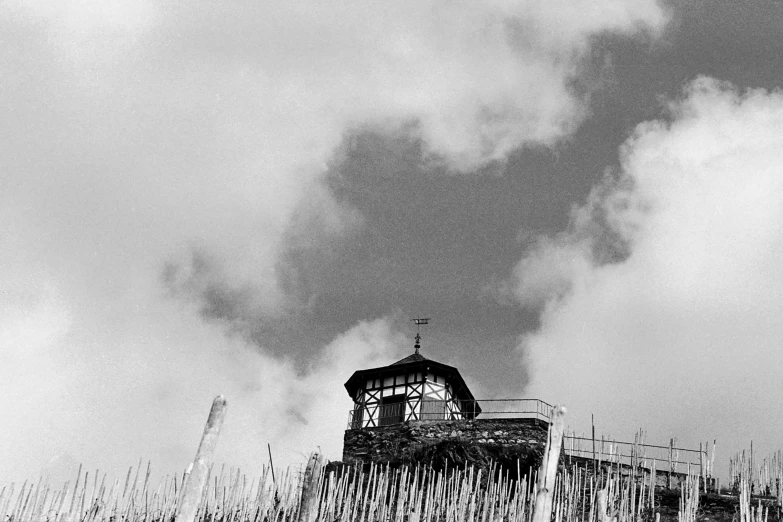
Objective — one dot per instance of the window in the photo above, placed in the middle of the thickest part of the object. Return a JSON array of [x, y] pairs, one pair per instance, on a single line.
[[392, 410]]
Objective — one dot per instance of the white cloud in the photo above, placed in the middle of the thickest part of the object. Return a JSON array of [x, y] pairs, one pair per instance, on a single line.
[[105, 405], [132, 375], [680, 336], [136, 132], [171, 124]]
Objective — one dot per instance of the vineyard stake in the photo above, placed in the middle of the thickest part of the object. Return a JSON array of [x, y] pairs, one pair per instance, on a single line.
[[196, 478]]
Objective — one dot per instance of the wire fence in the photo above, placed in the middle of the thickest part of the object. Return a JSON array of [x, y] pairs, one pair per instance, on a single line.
[[638, 454]]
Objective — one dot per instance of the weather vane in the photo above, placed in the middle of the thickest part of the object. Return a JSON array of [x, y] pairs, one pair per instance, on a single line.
[[419, 321]]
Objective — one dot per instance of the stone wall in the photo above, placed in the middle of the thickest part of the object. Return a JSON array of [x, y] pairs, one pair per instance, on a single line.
[[508, 444], [471, 440]]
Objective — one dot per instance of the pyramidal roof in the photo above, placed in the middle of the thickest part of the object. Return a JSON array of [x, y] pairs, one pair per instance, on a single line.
[[414, 357], [413, 362]]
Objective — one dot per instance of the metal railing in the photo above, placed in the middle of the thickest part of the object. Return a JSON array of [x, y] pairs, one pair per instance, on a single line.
[[515, 409], [437, 410], [635, 454]]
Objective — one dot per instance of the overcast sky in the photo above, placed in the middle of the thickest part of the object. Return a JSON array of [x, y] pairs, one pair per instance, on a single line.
[[254, 198]]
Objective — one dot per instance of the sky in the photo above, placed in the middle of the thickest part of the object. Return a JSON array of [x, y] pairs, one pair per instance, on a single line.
[[253, 199]]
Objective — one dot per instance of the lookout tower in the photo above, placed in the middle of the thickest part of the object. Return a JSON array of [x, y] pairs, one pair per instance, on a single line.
[[412, 389], [420, 411]]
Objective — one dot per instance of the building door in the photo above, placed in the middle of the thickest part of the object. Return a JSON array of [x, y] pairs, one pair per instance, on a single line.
[[433, 409], [358, 417], [392, 410]]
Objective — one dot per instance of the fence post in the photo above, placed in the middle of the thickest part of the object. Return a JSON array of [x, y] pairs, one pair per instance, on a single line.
[[592, 423], [601, 457], [671, 449], [601, 514], [701, 469], [308, 506], [547, 473], [196, 479]]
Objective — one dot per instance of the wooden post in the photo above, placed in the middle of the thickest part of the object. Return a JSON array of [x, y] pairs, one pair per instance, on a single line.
[[601, 514], [750, 468], [308, 506], [547, 473], [671, 449], [712, 461], [601, 456], [271, 466], [196, 476], [592, 423], [701, 469]]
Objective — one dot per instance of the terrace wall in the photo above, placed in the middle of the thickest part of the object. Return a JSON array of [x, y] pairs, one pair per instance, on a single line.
[[507, 437], [504, 440]]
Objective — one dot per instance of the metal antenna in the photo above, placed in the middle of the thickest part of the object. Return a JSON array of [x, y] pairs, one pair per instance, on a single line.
[[419, 321]]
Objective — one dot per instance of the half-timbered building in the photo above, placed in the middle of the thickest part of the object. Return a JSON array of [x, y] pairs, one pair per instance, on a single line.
[[412, 389]]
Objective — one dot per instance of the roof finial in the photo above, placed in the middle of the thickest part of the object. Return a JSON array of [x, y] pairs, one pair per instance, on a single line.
[[419, 321]]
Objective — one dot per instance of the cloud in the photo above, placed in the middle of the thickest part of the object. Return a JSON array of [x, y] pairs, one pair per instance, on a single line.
[[678, 334], [553, 265], [189, 142], [106, 407], [472, 81], [105, 374]]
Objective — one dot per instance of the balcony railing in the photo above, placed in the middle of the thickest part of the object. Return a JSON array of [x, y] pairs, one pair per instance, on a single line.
[[435, 410]]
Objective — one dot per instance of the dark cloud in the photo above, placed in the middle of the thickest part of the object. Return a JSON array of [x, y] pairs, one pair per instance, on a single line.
[[427, 240]]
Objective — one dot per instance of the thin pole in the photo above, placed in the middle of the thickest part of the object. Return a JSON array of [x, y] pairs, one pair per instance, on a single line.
[[271, 464], [592, 422], [671, 449], [701, 467]]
